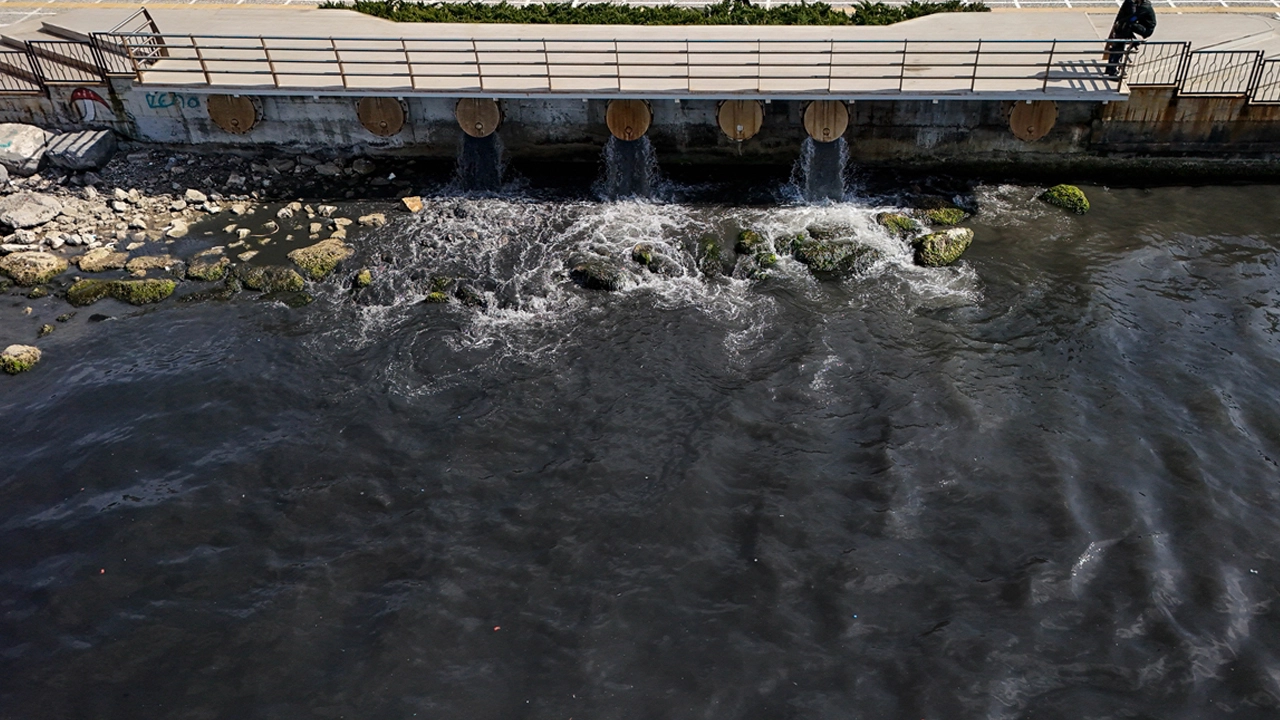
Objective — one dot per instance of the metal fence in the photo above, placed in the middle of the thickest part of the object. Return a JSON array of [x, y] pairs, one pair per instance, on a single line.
[[684, 68], [18, 75]]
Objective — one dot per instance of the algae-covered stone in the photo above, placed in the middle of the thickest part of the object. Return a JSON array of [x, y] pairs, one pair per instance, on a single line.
[[708, 255], [88, 292], [45, 329], [436, 297], [102, 259], [208, 266], [643, 254], [19, 358], [38, 292], [318, 260], [837, 258], [766, 260], [270, 278], [897, 223], [142, 292], [943, 248], [32, 267], [1067, 197], [229, 288], [749, 242], [364, 278], [945, 215], [596, 273]]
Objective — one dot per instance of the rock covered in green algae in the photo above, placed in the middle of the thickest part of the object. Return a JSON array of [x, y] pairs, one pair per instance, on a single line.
[[19, 358], [835, 258], [750, 242], [708, 254], [1067, 197], [134, 292], [270, 278], [45, 329], [944, 215], [943, 248], [208, 266], [318, 260], [642, 253], [766, 260], [596, 273], [229, 288], [30, 268], [38, 292], [363, 279], [897, 223]]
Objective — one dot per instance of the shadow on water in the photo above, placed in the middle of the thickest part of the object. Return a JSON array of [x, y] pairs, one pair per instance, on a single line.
[[480, 163]]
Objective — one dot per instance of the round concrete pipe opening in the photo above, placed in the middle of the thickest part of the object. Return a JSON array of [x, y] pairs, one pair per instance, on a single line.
[[628, 119], [740, 119], [478, 117], [826, 120], [382, 116], [236, 114]]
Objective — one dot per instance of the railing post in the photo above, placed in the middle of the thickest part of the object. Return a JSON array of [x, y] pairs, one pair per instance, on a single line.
[[688, 68], [204, 66], [1048, 66], [902, 67], [408, 62], [831, 63], [546, 64], [270, 64], [337, 56], [617, 67], [977, 55], [475, 54]]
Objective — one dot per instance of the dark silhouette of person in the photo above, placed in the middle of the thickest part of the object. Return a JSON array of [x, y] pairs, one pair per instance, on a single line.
[[1136, 19]]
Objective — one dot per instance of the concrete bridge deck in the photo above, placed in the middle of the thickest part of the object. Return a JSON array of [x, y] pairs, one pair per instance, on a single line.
[[1024, 55]]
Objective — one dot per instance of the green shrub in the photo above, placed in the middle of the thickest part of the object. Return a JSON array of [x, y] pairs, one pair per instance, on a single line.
[[727, 12]]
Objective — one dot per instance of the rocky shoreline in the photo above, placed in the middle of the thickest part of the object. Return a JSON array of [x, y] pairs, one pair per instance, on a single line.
[[151, 220]]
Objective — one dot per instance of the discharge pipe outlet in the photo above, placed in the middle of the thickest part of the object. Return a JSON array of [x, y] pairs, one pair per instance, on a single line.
[[826, 120], [628, 119]]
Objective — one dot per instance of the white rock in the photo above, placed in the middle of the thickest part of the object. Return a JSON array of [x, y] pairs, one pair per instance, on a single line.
[[195, 196], [22, 147], [284, 213], [177, 229], [26, 209], [243, 233], [178, 205], [326, 210], [119, 206]]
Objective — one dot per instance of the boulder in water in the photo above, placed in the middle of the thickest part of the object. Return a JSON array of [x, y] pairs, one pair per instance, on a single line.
[[1067, 197], [208, 266], [134, 292], [897, 223], [270, 278], [102, 259], [750, 242], [318, 260], [295, 300], [32, 267], [596, 273], [708, 254], [363, 279], [944, 215], [413, 204], [825, 257], [643, 254], [943, 248], [19, 358]]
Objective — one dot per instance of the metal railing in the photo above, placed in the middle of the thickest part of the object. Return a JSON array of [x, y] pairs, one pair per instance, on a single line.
[[1266, 89], [18, 75], [1220, 72], [65, 62], [685, 67]]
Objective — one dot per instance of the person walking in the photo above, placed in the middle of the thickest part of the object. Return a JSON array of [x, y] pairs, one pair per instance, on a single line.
[[1136, 18]]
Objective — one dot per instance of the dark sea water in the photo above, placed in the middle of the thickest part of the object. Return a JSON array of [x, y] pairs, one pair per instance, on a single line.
[[1042, 483]]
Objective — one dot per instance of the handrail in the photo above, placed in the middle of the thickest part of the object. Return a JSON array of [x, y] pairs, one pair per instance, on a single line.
[[685, 67]]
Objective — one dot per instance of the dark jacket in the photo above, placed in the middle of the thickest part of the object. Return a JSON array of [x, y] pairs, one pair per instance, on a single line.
[[1134, 18]]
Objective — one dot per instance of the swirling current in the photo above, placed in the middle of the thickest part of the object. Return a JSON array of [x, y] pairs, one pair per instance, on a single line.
[[1040, 483]]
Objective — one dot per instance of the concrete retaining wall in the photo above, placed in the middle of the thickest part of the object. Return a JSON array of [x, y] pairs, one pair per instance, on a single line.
[[1155, 128]]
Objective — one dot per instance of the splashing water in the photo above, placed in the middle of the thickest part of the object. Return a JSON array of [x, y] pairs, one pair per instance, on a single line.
[[819, 171], [630, 170], [480, 164]]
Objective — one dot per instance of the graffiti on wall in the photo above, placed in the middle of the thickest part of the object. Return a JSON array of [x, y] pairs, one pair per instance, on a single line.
[[85, 102], [162, 100]]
